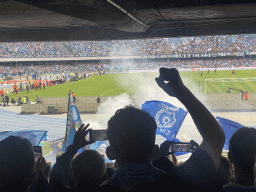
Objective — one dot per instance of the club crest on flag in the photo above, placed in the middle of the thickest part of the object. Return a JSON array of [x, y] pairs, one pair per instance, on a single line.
[[165, 120], [167, 116]]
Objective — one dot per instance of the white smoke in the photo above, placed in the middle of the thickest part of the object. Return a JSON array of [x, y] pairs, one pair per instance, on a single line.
[[145, 89]]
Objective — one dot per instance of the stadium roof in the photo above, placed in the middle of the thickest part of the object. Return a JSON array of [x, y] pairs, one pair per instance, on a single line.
[[66, 20]]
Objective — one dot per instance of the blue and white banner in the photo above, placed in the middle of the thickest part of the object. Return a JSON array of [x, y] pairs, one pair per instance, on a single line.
[[34, 136], [168, 117], [56, 146], [99, 146], [229, 127], [73, 122]]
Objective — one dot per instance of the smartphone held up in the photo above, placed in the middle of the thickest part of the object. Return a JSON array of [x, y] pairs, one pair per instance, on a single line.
[[97, 135], [37, 152], [182, 147]]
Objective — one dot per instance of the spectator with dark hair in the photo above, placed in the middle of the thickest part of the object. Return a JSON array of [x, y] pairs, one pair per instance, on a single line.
[[131, 133], [224, 171], [242, 154], [17, 167], [89, 170]]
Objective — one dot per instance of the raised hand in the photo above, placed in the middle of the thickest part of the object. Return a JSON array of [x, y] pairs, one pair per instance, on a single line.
[[165, 148], [79, 138], [41, 164], [174, 85]]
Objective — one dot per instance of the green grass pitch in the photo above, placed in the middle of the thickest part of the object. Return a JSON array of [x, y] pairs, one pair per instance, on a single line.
[[110, 85]]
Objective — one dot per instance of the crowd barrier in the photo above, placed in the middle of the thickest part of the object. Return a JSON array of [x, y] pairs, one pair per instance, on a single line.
[[214, 102]]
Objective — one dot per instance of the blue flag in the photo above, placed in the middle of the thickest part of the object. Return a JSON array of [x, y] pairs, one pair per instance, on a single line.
[[101, 147], [229, 127], [56, 146], [73, 122], [34, 136], [168, 117]]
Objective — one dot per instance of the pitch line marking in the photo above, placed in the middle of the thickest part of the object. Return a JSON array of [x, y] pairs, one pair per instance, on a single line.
[[106, 92]]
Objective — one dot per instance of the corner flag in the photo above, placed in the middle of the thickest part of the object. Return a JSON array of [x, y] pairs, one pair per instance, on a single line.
[[168, 117]]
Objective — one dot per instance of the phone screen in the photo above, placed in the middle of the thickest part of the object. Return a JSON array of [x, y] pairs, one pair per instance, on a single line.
[[98, 135], [37, 152], [182, 147]]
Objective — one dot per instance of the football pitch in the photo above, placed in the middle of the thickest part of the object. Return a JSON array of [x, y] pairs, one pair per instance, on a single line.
[[116, 84]]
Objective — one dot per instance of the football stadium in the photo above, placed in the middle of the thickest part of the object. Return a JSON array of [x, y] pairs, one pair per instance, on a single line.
[[138, 106], [119, 82]]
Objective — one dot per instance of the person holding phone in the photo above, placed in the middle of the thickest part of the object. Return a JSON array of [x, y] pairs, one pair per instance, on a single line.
[[61, 170], [208, 154]]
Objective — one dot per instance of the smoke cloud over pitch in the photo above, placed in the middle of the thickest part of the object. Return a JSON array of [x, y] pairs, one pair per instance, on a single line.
[[145, 89]]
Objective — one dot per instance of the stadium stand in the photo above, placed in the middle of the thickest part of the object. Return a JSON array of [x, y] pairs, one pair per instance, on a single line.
[[159, 46]]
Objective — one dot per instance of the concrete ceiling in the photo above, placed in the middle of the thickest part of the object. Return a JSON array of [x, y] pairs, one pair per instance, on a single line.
[[66, 20]]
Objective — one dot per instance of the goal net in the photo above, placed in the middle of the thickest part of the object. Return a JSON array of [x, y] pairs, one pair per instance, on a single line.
[[230, 85]]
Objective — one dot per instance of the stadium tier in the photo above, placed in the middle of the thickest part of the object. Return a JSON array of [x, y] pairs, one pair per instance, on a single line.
[[207, 45]]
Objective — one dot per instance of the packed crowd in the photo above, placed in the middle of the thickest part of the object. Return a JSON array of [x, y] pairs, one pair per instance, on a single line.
[[33, 49], [138, 47], [50, 68], [121, 65], [140, 164]]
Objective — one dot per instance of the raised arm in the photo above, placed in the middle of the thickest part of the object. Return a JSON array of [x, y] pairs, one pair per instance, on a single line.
[[209, 128], [61, 169]]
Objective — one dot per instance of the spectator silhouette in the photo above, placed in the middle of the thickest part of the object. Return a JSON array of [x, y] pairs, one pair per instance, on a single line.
[[42, 183], [224, 171], [61, 170], [201, 167], [131, 133], [17, 167], [89, 170], [242, 152]]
